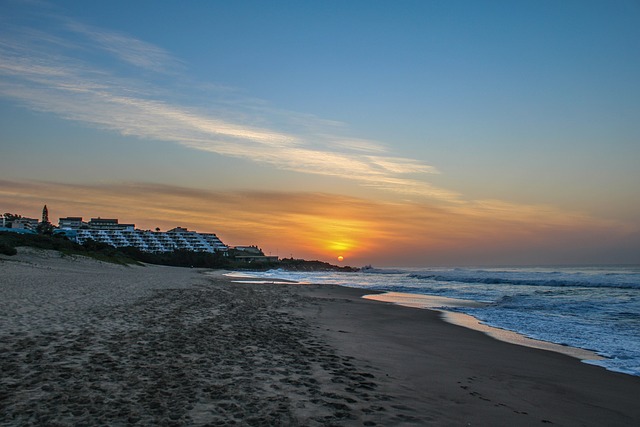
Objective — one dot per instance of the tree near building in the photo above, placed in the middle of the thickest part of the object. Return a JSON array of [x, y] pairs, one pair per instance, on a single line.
[[45, 227]]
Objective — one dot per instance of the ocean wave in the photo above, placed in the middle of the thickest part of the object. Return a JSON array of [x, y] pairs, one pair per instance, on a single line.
[[373, 270], [595, 307], [592, 282]]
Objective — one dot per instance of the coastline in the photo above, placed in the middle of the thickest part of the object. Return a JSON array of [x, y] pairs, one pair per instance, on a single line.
[[84, 342], [440, 304]]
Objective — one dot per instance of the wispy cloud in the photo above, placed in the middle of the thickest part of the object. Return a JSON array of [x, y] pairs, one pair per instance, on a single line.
[[129, 49], [56, 71]]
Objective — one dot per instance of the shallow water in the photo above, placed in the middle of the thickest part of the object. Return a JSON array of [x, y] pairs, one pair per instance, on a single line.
[[595, 308]]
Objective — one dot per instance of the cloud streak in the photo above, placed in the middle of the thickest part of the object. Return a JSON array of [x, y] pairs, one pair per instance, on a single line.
[[129, 49], [52, 72]]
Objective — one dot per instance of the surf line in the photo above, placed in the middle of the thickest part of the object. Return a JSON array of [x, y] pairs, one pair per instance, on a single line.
[[440, 304]]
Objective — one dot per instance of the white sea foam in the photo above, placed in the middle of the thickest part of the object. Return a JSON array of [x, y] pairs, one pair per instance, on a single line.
[[593, 308]]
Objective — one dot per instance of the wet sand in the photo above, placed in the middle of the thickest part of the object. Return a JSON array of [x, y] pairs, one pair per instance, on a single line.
[[441, 304], [88, 343]]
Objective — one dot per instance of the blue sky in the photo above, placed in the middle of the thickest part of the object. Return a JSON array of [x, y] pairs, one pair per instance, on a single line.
[[472, 107]]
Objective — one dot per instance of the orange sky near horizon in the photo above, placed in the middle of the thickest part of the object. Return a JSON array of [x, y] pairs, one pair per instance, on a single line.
[[324, 226]]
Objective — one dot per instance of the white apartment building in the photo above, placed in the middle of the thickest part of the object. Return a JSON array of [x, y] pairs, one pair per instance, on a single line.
[[21, 223], [121, 235], [71, 223]]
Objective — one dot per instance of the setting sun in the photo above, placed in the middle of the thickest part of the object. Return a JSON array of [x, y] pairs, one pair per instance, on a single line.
[[340, 258]]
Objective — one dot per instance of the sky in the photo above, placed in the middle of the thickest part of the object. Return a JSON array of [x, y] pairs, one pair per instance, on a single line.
[[392, 133]]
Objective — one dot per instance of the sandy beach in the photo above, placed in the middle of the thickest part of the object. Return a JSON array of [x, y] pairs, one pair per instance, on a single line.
[[88, 343]]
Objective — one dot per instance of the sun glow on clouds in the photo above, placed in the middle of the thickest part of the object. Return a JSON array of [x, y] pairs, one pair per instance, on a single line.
[[323, 226], [46, 71]]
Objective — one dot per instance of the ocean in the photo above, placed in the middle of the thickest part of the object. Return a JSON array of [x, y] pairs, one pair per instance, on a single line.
[[594, 308]]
